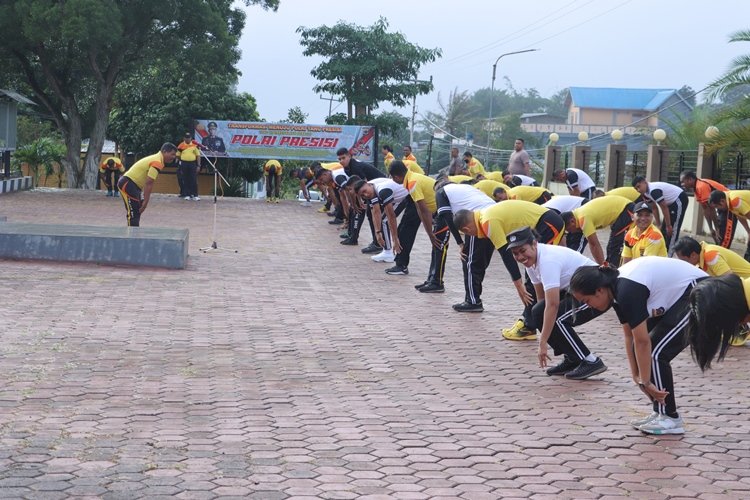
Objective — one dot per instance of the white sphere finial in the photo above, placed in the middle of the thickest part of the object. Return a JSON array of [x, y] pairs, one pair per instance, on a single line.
[[712, 132], [616, 134], [553, 138], [659, 135], [583, 136]]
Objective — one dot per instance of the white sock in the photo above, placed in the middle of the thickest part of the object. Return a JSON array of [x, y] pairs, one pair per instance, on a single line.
[[590, 358]]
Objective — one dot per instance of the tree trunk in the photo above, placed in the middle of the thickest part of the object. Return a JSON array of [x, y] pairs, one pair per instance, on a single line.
[[72, 161], [91, 161]]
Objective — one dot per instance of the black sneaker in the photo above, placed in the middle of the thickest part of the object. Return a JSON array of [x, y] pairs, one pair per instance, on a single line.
[[372, 248], [421, 285], [336, 221], [565, 366], [587, 369], [348, 241], [468, 307], [432, 288], [397, 270], [344, 235]]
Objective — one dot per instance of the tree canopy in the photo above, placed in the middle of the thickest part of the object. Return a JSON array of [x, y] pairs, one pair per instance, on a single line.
[[72, 54], [366, 65]]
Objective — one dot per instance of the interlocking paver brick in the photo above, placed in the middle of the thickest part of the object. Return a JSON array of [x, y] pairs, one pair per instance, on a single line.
[[297, 368]]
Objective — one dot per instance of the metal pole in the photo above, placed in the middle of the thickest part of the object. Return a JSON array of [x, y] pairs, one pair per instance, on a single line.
[[492, 95]]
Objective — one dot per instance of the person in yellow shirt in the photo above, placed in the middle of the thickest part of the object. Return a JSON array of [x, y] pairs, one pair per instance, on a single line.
[[408, 155], [715, 260], [110, 170], [189, 165], [534, 194], [136, 184], [421, 190], [272, 171], [459, 178], [496, 222], [488, 187], [387, 156], [643, 239], [628, 192], [495, 175], [413, 167], [473, 165], [736, 202], [614, 212]]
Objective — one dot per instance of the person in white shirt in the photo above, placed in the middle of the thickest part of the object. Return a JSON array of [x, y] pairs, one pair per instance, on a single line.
[[651, 296], [579, 183], [673, 202], [555, 313], [568, 203], [385, 198], [514, 180]]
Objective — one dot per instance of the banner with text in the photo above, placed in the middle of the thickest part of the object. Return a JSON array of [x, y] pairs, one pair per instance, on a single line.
[[290, 141]]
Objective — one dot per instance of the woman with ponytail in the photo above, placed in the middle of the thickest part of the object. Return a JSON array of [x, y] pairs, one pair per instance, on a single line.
[[718, 307], [651, 298]]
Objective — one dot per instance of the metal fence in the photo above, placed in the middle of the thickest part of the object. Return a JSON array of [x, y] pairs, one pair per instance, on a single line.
[[733, 172]]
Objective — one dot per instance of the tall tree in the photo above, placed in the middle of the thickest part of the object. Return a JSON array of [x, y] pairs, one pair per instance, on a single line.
[[73, 53], [366, 66], [734, 119]]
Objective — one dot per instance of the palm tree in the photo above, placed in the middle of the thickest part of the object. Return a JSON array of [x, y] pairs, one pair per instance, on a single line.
[[733, 120]]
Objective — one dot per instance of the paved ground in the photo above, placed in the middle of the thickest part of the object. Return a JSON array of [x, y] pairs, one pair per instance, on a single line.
[[297, 368]]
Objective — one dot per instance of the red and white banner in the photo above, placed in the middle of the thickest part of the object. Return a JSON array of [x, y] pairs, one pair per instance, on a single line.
[[290, 141]]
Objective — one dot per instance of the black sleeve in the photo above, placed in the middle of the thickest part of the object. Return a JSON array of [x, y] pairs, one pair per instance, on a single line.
[[572, 180], [385, 196], [631, 299], [510, 263], [657, 195], [370, 172], [340, 179]]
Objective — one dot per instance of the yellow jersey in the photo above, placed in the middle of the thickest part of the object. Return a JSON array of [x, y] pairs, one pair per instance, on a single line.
[[421, 187], [488, 187], [475, 168], [274, 163], [188, 151], [525, 193], [717, 261], [626, 192], [413, 166], [145, 168], [497, 221], [599, 212], [738, 202], [649, 242]]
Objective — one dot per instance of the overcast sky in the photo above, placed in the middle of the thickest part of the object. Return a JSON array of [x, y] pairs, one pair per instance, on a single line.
[[585, 43]]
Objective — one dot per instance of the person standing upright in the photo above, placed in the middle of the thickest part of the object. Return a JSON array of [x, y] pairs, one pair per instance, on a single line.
[[456, 166], [136, 184], [520, 162], [190, 163], [387, 156], [408, 155]]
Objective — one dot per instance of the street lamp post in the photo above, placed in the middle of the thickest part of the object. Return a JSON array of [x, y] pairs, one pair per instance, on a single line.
[[492, 95]]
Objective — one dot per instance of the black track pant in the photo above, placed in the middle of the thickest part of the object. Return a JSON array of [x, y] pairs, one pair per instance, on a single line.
[[108, 176], [668, 339], [439, 255], [564, 339], [677, 215], [273, 185], [617, 235], [479, 253], [131, 195], [407, 231], [726, 227]]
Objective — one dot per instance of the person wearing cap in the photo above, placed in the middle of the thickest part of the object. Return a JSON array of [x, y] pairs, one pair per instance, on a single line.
[[534, 194], [672, 201], [110, 170], [643, 238], [556, 312], [614, 212], [495, 223], [736, 202], [578, 182], [189, 163], [213, 142]]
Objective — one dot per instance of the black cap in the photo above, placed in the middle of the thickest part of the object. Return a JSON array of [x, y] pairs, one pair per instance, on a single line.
[[519, 237], [643, 206]]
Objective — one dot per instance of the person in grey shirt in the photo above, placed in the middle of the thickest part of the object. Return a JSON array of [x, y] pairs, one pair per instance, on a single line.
[[456, 166], [520, 162]]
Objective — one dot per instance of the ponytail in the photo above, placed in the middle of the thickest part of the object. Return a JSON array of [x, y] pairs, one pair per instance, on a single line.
[[588, 279], [717, 307]]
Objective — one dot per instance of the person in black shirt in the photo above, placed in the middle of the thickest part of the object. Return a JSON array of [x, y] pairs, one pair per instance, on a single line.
[[213, 142], [357, 214]]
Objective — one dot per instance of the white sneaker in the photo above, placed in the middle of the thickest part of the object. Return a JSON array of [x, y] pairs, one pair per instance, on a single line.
[[187, 198], [643, 421], [196, 198], [663, 424], [384, 256]]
